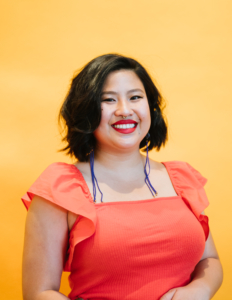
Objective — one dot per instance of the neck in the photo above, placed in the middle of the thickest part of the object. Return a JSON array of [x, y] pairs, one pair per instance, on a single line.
[[129, 163]]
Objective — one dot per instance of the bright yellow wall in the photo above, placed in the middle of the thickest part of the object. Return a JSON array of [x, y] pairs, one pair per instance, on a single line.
[[187, 47]]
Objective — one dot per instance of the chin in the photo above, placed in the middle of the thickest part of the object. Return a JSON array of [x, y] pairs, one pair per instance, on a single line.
[[127, 146]]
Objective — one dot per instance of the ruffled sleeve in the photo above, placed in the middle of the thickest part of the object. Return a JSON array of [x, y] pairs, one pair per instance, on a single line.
[[64, 185], [189, 184]]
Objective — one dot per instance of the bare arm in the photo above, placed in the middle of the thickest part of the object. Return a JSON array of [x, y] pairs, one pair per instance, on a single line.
[[45, 245]]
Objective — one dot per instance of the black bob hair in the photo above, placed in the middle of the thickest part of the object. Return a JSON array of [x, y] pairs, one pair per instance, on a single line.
[[81, 110]]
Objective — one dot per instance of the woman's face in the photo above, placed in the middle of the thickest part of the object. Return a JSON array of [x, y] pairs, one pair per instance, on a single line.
[[125, 118]]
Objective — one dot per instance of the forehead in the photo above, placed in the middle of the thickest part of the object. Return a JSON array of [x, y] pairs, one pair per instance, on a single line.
[[122, 79]]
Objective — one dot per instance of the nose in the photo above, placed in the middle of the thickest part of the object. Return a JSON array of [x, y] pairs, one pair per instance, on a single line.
[[124, 108]]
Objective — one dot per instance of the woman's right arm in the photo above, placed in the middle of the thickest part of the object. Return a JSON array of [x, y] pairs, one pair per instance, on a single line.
[[45, 246]]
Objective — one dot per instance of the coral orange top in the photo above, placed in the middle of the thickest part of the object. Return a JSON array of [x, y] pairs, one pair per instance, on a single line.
[[129, 249]]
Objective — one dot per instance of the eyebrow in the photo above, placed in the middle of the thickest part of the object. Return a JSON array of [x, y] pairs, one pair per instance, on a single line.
[[115, 93]]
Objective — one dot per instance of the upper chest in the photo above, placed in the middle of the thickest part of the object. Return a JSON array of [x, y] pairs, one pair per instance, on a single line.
[[121, 188]]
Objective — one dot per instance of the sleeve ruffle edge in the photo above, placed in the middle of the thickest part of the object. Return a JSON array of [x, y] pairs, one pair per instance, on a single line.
[[189, 184], [64, 185]]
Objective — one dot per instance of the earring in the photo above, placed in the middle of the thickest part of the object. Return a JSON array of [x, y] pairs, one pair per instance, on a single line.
[[147, 164], [93, 177]]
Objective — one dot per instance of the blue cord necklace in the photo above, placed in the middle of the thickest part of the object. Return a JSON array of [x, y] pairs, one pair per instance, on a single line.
[[147, 180]]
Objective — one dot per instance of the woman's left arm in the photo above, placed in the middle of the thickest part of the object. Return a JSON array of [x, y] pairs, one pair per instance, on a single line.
[[206, 278]]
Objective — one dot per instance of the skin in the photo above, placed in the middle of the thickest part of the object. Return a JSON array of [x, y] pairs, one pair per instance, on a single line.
[[123, 95], [118, 167]]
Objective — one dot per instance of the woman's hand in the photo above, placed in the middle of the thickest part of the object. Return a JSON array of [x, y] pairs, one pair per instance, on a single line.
[[187, 293]]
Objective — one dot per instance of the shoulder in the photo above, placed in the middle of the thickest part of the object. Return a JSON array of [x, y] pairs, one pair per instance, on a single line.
[[174, 165], [59, 172], [184, 171], [59, 167], [60, 183], [155, 165], [82, 167]]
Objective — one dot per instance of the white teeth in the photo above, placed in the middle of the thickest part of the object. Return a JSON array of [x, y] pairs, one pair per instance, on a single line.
[[125, 126]]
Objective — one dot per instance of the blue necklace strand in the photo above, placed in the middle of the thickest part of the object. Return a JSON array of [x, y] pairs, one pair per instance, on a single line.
[[94, 179], [147, 180]]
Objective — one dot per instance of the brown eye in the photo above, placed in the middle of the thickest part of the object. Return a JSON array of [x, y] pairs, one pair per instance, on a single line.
[[136, 97], [107, 100]]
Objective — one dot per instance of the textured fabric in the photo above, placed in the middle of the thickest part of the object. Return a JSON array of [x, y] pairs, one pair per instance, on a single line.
[[129, 249]]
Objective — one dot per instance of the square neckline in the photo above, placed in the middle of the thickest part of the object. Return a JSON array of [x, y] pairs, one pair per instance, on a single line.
[[131, 201]]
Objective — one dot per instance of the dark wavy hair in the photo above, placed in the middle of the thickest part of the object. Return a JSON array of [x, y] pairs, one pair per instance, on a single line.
[[81, 110]]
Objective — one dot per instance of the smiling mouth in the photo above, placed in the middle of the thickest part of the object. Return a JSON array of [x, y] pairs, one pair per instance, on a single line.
[[125, 126]]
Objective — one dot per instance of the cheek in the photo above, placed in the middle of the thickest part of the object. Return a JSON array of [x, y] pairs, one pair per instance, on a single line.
[[105, 117], [145, 116]]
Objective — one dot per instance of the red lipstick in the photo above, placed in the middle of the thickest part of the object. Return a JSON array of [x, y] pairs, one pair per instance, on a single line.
[[125, 122], [125, 126]]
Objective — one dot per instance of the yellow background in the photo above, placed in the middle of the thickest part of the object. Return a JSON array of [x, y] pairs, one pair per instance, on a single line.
[[185, 45]]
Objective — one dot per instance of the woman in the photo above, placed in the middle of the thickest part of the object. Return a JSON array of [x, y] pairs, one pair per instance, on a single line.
[[126, 227]]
